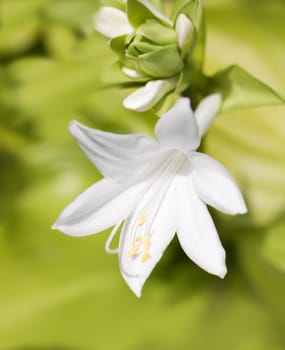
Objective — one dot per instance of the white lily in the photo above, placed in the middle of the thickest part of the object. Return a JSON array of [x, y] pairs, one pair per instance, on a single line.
[[155, 188], [112, 22]]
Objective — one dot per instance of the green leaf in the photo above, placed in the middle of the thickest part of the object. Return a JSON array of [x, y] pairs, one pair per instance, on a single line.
[[273, 249], [139, 11], [240, 89], [162, 63]]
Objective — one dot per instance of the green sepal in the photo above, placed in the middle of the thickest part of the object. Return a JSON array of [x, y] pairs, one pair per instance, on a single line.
[[118, 44], [165, 104], [184, 80], [139, 11], [158, 33], [133, 51], [162, 63], [193, 9], [145, 47], [241, 90], [132, 63]]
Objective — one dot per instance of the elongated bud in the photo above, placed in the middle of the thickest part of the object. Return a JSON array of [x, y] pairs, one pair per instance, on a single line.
[[148, 96], [112, 22], [184, 29]]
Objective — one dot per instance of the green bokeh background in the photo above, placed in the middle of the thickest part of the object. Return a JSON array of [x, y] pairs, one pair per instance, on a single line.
[[63, 293]]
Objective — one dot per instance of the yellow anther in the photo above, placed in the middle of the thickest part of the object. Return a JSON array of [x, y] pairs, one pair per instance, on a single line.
[[146, 242], [134, 250], [139, 239], [146, 245], [145, 257], [142, 220]]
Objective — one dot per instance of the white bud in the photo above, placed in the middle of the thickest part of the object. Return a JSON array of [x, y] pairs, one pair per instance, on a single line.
[[184, 29], [112, 22]]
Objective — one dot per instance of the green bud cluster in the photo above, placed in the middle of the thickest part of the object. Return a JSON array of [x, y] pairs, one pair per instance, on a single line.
[[152, 51]]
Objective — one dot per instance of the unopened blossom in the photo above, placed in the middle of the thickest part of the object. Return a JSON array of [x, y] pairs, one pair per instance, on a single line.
[[153, 50], [155, 189]]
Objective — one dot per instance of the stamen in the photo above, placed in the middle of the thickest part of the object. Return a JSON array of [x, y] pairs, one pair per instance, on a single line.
[[142, 220], [146, 244], [139, 239], [134, 250], [145, 257]]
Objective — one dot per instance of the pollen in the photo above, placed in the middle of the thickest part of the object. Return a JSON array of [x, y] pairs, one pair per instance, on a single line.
[[142, 220]]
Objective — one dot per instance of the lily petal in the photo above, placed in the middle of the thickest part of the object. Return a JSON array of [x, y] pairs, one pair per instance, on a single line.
[[112, 154], [97, 208], [207, 111], [112, 22], [215, 186], [196, 231], [184, 29], [148, 96], [178, 128], [161, 230]]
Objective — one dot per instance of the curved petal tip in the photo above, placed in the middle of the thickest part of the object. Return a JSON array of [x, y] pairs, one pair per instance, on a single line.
[[112, 22]]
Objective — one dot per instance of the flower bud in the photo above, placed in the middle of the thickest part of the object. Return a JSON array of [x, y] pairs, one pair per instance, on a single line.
[[156, 48]]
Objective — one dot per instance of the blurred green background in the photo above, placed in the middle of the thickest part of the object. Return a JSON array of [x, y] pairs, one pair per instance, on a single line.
[[63, 293]]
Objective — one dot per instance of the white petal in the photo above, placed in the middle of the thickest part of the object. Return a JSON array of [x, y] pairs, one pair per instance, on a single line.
[[112, 154], [148, 96], [101, 206], [184, 29], [131, 73], [178, 128], [196, 231], [112, 22], [160, 230], [207, 111], [215, 186]]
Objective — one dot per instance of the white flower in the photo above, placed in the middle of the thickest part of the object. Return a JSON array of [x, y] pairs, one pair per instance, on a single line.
[[112, 23], [155, 188]]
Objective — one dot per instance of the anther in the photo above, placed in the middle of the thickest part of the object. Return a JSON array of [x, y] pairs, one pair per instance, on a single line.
[[145, 257], [134, 250], [142, 220], [146, 245]]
